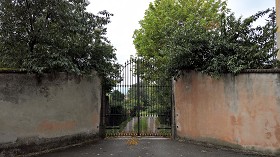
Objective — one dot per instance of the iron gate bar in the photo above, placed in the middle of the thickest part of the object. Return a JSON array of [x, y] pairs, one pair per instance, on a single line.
[[140, 98]]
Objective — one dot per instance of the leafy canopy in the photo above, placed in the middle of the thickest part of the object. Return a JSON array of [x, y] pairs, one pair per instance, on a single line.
[[53, 36], [164, 16], [232, 47], [204, 36]]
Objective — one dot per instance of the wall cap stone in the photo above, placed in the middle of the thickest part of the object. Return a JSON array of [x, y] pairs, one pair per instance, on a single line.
[[261, 71]]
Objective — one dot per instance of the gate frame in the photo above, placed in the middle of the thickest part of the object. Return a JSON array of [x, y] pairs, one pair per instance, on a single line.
[[105, 105]]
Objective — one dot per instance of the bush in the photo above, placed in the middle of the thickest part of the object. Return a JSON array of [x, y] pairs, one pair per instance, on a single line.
[[117, 115], [230, 48], [165, 116]]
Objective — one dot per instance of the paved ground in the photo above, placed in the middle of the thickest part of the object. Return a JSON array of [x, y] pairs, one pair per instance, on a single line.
[[144, 148]]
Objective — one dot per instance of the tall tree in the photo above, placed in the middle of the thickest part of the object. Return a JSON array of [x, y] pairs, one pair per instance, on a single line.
[[162, 19], [47, 35], [204, 36], [234, 46], [117, 96]]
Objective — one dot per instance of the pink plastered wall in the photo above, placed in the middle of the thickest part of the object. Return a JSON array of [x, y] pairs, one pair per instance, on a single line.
[[242, 110]]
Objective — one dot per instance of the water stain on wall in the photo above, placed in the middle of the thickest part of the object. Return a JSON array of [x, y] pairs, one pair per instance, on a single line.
[[52, 126]]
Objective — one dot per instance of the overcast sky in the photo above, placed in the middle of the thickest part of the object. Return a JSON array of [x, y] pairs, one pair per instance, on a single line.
[[127, 14]]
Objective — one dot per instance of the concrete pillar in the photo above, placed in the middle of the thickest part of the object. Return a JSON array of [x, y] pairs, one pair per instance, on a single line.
[[278, 25]]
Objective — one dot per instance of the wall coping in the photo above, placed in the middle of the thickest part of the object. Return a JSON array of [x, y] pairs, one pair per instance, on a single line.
[[245, 71], [261, 71], [10, 70]]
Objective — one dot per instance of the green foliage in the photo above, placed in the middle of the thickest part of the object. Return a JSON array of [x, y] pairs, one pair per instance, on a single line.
[[117, 96], [117, 115], [203, 36], [162, 19], [154, 98], [233, 47], [165, 117], [54, 36], [144, 92], [143, 125]]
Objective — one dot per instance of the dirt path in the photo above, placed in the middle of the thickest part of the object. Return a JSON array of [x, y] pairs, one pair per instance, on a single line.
[[130, 125], [152, 124]]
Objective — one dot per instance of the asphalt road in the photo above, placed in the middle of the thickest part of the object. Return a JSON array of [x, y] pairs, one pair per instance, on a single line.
[[144, 147]]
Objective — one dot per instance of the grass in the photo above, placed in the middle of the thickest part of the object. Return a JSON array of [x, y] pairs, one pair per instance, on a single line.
[[143, 125]]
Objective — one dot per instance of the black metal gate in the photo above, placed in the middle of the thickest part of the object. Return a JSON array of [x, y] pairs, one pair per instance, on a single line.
[[140, 103]]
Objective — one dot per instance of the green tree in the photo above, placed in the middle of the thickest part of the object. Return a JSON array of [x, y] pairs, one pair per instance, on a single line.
[[234, 46], [117, 96], [154, 97], [204, 36], [50, 36], [162, 19], [144, 93]]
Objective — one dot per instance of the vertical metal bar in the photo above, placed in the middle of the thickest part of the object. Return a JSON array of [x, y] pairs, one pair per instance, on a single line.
[[153, 100], [152, 94], [134, 90], [153, 90], [173, 125], [130, 99], [158, 96], [124, 92], [131, 92], [149, 98], [142, 93], [138, 95]]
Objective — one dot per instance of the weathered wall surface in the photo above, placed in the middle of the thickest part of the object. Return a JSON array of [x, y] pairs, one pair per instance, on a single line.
[[242, 110], [48, 107]]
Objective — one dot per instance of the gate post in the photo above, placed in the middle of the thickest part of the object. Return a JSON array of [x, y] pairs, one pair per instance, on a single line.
[[173, 114], [104, 105], [138, 95]]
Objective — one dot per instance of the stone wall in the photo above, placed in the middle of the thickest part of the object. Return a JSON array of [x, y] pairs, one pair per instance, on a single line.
[[51, 106], [242, 110]]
